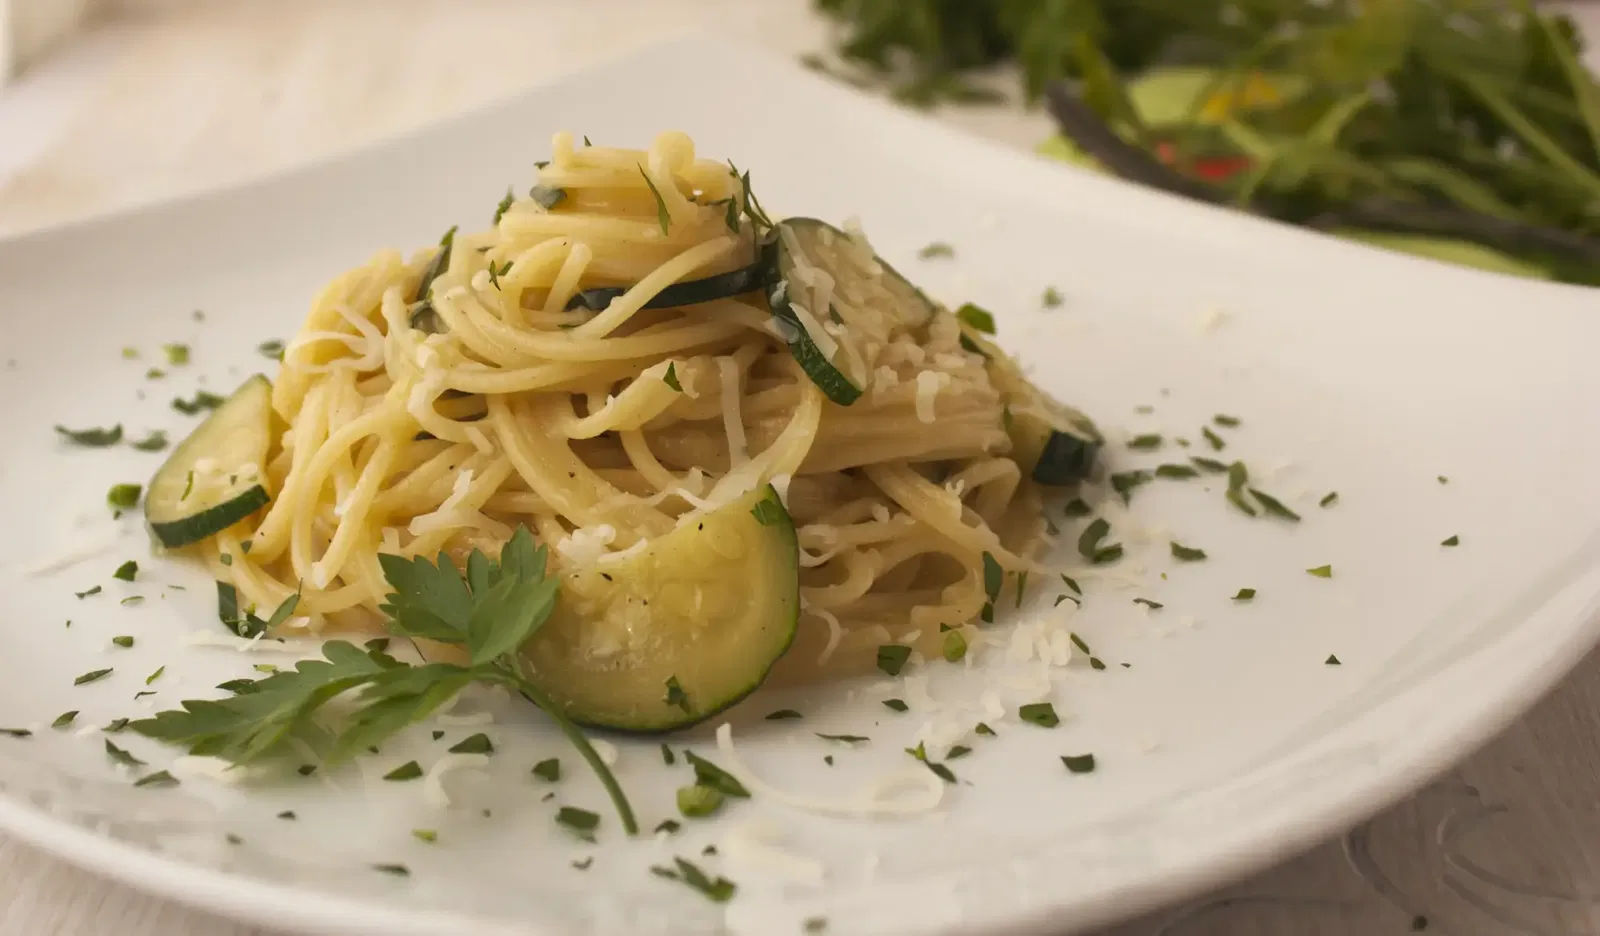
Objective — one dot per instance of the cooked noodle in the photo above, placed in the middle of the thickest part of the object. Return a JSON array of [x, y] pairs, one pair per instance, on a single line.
[[517, 411]]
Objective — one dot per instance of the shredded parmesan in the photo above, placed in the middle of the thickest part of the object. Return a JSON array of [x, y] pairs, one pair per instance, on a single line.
[[585, 545], [738, 452], [923, 790], [928, 384]]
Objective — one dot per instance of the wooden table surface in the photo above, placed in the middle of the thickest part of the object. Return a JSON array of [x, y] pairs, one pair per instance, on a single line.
[[164, 96]]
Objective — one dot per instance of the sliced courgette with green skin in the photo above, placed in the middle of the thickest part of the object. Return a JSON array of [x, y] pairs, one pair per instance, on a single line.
[[1054, 444], [678, 631], [721, 286], [868, 300], [213, 479]]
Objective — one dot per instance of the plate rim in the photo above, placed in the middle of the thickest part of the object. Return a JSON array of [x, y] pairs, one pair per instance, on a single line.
[[264, 902]]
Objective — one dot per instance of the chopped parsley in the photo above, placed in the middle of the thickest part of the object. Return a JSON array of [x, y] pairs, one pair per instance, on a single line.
[[1451, 541], [115, 725], [156, 441], [957, 752], [155, 373], [699, 801], [1071, 583], [1245, 594], [1332, 661], [1051, 298], [1328, 499], [1226, 421], [475, 744], [1078, 763], [177, 354], [1091, 540], [1184, 553], [955, 646], [1152, 605], [1042, 714], [121, 756], [898, 705], [64, 719], [1443, 480], [663, 216], [710, 775], [425, 835], [976, 317], [1124, 482], [504, 205], [92, 676], [398, 870], [1321, 571], [669, 826], [1213, 439], [410, 770], [549, 769], [670, 378], [983, 729], [720, 890], [288, 815], [1176, 472], [935, 250], [16, 732], [782, 714], [1077, 508], [202, 401], [815, 924], [123, 496], [584, 864], [92, 438], [892, 657], [844, 738], [581, 821], [548, 196], [159, 778], [1274, 507], [123, 641], [1147, 442], [1210, 464], [156, 675], [920, 752]]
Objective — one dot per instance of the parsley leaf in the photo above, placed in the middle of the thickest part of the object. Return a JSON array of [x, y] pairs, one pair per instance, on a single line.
[[892, 658], [663, 216], [670, 378], [710, 775], [92, 438], [976, 317]]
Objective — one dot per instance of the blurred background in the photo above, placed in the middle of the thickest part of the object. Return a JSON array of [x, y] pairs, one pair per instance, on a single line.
[[1467, 130]]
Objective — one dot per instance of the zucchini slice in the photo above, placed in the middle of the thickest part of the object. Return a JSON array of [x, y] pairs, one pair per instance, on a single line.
[[213, 479], [838, 302], [681, 629], [1054, 444], [710, 288]]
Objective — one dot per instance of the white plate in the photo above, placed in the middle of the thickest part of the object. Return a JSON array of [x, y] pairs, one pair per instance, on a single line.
[[1228, 744]]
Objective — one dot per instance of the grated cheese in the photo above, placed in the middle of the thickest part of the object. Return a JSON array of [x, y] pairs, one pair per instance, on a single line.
[[732, 424], [875, 801], [433, 781], [928, 384], [826, 344], [586, 545]]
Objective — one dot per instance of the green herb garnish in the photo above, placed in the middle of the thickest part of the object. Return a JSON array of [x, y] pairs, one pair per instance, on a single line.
[[699, 801], [1443, 480], [1451, 541], [1272, 506], [64, 719], [663, 216], [581, 821], [489, 613], [892, 658], [983, 729], [1042, 714], [159, 778], [16, 732], [1077, 508], [410, 770], [123, 642], [897, 705], [1186, 554], [177, 354], [1090, 543], [548, 770], [1078, 763], [976, 317], [123, 496], [1328, 499], [504, 206], [1332, 661], [1152, 605], [1245, 594], [670, 378], [767, 513], [474, 744], [844, 738], [936, 249], [1210, 464], [719, 890], [115, 725], [1226, 421], [397, 870], [710, 775], [92, 438], [1176, 472], [154, 442], [121, 756], [202, 402], [1321, 571], [955, 646], [92, 676], [782, 715], [1147, 442], [1051, 298], [1211, 437]]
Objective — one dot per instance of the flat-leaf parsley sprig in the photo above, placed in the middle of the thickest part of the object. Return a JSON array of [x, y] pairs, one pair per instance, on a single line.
[[489, 612]]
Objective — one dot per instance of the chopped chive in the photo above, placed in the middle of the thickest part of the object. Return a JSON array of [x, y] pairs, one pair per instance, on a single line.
[[1213, 439], [1443, 480], [1321, 571], [1152, 605], [670, 378], [16, 732], [1095, 663], [720, 890], [663, 216], [425, 835], [1078, 763], [123, 641], [549, 769], [92, 438], [287, 814], [398, 870], [177, 354], [1124, 483], [1226, 421], [581, 821], [1147, 442], [993, 578], [958, 752], [504, 206], [92, 591], [121, 756], [936, 249], [1176, 472], [1079, 642], [154, 442], [1328, 499], [1210, 464], [1042, 714], [272, 350], [1236, 498], [92, 676], [1184, 553]]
